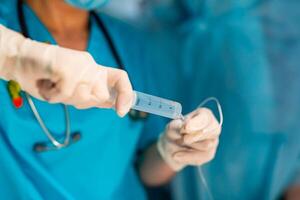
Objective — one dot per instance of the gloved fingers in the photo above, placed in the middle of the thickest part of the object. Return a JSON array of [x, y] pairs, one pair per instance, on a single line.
[[103, 97], [172, 130], [172, 147], [107, 104], [73, 67], [201, 135], [193, 157], [48, 88], [166, 150], [205, 145], [82, 98], [33, 91], [100, 89], [86, 105], [119, 82], [195, 113], [197, 120], [174, 136], [36, 87], [175, 125], [59, 90], [200, 125], [48, 80]]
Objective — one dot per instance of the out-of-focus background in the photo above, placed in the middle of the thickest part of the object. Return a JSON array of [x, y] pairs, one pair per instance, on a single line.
[[247, 54]]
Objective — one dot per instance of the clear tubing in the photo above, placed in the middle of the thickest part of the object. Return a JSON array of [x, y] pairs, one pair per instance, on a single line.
[[200, 171], [156, 105], [171, 109]]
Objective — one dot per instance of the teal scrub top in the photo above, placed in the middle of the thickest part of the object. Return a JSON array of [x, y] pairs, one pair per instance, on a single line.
[[99, 166], [232, 50]]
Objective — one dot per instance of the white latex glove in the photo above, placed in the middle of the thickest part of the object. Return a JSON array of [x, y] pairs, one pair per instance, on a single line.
[[60, 75], [190, 142]]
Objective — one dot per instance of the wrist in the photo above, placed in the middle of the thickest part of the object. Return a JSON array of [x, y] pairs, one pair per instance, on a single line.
[[10, 43]]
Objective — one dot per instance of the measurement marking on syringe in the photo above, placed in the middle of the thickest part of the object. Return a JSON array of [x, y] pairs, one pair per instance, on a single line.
[[149, 103], [138, 102], [156, 105], [160, 105]]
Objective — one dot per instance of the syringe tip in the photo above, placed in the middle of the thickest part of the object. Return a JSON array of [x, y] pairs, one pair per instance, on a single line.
[[180, 117]]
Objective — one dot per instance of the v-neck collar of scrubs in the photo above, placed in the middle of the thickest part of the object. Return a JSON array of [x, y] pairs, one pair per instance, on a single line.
[[44, 34], [38, 31], [96, 41]]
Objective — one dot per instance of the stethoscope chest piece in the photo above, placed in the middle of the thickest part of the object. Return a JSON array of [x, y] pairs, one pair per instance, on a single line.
[[40, 147]]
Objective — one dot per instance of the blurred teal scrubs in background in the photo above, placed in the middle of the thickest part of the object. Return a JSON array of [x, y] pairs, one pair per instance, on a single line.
[[101, 164], [233, 59], [245, 54]]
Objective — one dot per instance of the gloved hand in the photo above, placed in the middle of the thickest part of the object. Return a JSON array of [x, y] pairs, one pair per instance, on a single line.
[[61, 75], [190, 142]]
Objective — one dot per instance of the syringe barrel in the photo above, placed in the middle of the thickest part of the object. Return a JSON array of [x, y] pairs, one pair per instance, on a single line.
[[156, 105]]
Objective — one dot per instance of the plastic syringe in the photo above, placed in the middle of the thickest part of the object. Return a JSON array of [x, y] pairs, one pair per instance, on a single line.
[[156, 105]]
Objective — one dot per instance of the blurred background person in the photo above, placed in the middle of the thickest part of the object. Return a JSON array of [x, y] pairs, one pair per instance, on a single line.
[[246, 53]]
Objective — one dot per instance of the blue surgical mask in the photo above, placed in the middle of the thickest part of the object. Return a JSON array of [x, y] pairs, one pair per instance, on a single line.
[[87, 4]]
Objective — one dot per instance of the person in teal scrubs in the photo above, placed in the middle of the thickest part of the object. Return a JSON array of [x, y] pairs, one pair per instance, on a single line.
[[100, 164], [239, 52], [96, 167]]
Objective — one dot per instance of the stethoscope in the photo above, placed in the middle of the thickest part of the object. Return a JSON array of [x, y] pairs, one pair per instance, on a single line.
[[70, 138]]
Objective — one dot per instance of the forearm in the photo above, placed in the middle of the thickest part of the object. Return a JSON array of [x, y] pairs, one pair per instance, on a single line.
[[10, 45], [292, 193], [153, 170]]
